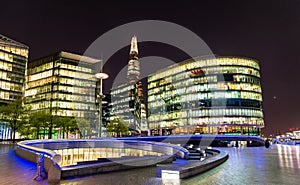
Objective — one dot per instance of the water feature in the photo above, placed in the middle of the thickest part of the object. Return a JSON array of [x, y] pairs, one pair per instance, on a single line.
[[254, 165]]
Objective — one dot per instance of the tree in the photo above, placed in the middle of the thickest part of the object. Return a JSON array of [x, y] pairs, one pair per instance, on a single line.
[[117, 127], [66, 125], [38, 121], [72, 126], [84, 127], [13, 113], [62, 124], [25, 129]]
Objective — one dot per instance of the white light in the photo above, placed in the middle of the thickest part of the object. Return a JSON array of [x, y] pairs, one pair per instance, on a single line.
[[101, 75]]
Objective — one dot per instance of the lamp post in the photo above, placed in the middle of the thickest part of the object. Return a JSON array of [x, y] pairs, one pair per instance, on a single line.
[[101, 76]]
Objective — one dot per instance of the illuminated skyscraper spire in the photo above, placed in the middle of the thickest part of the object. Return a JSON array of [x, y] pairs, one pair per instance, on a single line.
[[133, 47], [133, 73]]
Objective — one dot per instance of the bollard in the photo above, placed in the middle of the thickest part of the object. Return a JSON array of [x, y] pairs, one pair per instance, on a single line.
[[267, 143], [40, 174]]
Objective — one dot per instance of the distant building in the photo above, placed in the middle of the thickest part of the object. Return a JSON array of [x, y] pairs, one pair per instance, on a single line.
[[13, 61], [219, 95], [106, 107], [296, 134], [127, 100], [64, 84]]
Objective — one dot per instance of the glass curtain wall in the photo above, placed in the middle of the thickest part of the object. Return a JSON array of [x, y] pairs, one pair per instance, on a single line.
[[219, 95]]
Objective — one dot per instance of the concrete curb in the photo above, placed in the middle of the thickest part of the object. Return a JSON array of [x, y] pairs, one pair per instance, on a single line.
[[195, 167]]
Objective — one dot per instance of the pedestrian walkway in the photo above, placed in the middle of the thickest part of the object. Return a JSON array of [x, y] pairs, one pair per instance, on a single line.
[[15, 170]]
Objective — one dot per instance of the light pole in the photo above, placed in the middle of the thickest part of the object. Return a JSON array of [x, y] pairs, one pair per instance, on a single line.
[[101, 76]]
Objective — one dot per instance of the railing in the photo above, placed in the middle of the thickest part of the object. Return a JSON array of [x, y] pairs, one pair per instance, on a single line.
[[25, 145], [46, 160]]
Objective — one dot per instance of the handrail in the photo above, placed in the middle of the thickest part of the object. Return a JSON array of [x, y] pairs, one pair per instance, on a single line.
[[30, 145], [53, 156]]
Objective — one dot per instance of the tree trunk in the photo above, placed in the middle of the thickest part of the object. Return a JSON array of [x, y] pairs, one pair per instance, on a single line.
[[11, 133], [67, 131], [64, 130], [44, 132], [14, 135], [14, 131], [50, 129], [37, 133], [50, 132]]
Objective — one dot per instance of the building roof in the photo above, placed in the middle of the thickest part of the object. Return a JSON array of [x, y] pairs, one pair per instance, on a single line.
[[5, 41], [67, 55], [204, 57], [82, 58]]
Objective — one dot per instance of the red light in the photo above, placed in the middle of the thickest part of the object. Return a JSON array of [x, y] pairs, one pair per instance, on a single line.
[[197, 72]]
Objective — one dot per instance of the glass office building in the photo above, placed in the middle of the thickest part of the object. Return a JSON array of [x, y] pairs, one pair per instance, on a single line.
[[64, 84], [127, 103], [13, 61], [212, 95]]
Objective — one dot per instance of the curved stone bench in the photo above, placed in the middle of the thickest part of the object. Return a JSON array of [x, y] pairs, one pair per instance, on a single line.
[[30, 150], [195, 167]]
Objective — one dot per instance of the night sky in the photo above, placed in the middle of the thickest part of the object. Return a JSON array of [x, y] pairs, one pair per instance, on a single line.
[[268, 31]]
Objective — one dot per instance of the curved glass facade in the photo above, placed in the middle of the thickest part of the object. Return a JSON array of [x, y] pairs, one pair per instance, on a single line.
[[219, 95]]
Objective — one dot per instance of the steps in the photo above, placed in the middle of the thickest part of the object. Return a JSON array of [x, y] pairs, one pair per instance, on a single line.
[[196, 154]]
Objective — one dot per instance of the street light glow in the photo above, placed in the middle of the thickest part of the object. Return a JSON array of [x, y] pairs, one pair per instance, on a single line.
[[102, 76]]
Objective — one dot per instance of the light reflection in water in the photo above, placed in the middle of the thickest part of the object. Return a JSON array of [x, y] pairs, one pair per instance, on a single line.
[[298, 155], [258, 165], [288, 156]]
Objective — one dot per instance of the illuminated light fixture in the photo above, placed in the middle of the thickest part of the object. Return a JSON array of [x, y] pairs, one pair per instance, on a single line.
[[102, 76]]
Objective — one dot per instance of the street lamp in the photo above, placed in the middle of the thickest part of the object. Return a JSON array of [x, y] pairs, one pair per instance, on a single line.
[[101, 76]]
